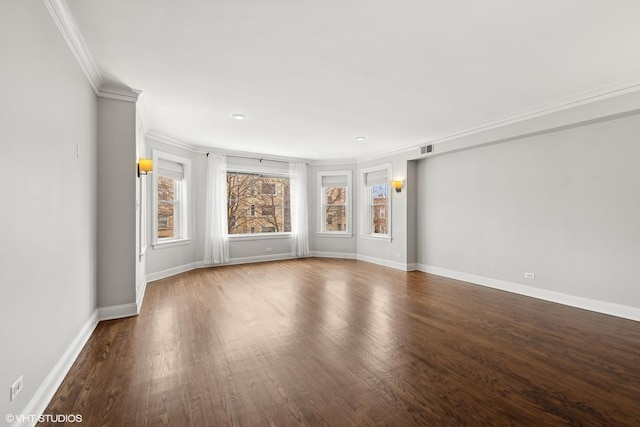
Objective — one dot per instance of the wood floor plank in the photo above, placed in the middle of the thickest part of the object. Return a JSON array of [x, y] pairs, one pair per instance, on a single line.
[[323, 342]]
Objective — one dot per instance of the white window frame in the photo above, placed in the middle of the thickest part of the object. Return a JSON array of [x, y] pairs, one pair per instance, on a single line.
[[267, 172], [322, 205], [182, 223], [366, 220]]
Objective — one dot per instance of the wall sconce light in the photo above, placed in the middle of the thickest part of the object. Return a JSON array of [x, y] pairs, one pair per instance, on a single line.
[[397, 185], [145, 166]]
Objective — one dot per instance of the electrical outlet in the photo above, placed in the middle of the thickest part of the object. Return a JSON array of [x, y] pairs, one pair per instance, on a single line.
[[269, 249], [16, 388], [529, 276], [397, 256]]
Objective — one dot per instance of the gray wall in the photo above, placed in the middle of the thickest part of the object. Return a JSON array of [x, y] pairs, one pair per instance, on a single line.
[[564, 205], [163, 261], [324, 245], [160, 259], [117, 184], [48, 251], [396, 252]]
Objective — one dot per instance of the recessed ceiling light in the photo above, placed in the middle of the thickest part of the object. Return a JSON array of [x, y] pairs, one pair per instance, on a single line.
[[239, 116], [360, 138]]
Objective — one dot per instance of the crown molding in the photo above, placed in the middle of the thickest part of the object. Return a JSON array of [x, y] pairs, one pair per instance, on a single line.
[[175, 143], [389, 153], [584, 98], [200, 149], [67, 26], [118, 93], [334, 162]]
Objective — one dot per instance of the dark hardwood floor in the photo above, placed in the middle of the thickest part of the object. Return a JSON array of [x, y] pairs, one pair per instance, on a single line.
[[341, 343]]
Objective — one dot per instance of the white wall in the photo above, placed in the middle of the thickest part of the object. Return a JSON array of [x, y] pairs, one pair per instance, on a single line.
[[564, 205], [48, 252]]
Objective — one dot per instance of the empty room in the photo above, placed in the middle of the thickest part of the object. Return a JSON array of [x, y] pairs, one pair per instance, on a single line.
[[332, 213]]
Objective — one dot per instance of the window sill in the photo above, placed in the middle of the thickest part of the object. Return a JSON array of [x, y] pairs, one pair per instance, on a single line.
[[380, 238], [334, 234], [259, 236], [171, 243]]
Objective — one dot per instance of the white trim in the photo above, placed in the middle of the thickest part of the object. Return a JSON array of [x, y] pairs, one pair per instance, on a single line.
[[201, 149], [69, 30], [388, 153], [348, 204], [604, 307], [176, 143], [338, 255], [583, 98], [383, 262], [341, 234], [334, 162], [49, 386], [262, 169], [413, 266], [185, 214], [254, 259], [365, 205], [377, 237], [572, 103], [117, 311], [119, 93], [260, 236], [140, 295], [151, 277], [163, 244]]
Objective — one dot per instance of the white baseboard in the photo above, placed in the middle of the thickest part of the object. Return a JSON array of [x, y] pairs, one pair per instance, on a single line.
[[140, 296], [612, 309], [339, 255], [412, 266], [201, 264], [261, 258], [385, 263], [118, 311], [49, 386], [172, 271]]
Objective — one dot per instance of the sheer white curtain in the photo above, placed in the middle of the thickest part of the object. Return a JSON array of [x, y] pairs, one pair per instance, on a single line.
[[299, 210], [216, 246]]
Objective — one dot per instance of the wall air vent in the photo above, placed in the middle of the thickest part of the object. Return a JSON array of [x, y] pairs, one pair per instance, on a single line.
[[427, 149]]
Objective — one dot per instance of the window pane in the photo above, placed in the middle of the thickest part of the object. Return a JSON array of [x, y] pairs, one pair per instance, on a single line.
[[380, 194], [336, 218], [267, 210], [166, 188], [166, 220], [268, 188], [380, 208], [380, 219], [335, 195], [166, 207]]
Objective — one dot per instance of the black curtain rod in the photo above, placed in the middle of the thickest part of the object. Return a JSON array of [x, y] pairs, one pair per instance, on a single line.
[[260, 159]]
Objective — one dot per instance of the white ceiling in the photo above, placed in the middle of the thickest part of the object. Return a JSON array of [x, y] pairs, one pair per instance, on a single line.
[[312, 75]]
